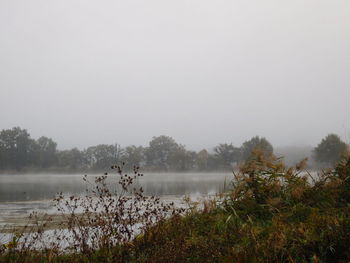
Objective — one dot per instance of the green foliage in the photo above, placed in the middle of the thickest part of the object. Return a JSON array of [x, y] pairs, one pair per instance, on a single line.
[[46, 152], [227, 154], [71, 159], [133, 155], [330, 149], [18, 151], [271, 214], [15, 146], [101, 156], [255, 143], [161, 152], [165, 154]]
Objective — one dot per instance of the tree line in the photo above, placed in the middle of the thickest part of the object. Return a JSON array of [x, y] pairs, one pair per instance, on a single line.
[[18, 151]]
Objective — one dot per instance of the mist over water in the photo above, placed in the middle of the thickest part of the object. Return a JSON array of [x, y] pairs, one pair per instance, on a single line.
[[22, 194], [35, 187]]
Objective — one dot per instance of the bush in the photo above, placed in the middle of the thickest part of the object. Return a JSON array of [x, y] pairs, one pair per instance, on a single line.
[[271, 214]]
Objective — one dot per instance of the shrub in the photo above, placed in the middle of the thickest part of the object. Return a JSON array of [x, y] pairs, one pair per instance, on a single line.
[[271, 214]]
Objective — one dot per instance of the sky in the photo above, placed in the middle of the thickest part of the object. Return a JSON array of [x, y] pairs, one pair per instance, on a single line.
[[204, 72]]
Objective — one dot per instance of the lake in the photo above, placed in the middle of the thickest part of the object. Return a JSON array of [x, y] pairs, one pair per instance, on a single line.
[[21, 194]]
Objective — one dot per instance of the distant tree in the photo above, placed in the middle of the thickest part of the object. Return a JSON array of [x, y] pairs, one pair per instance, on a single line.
[[227, 154], [255, 143], [202, 160], [72, 159], [161, 151], [330, 149], [133, 156], [214, 163], [2, 156], [189, 162], [15, 148], [102, 156], [47, 152], [182, 160]]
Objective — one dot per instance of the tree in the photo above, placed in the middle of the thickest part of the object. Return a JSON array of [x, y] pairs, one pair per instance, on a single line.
[[133, 156], [47, 152], [102, 156], [160, 152], [227, 154], [71, 159], [330, 149], [255, 143], [15, 148], [182, 160], [202, 160]]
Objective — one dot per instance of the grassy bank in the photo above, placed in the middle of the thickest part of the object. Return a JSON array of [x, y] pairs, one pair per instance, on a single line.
[[271, 213]]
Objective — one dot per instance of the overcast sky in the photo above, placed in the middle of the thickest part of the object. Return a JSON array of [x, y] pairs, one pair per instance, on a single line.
[[85, 72]]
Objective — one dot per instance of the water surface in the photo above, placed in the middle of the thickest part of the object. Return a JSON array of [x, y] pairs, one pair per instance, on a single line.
[[21, 194]]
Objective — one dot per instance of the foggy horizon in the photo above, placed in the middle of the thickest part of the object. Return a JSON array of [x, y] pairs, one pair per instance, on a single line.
[[85, 73], [210, 148]]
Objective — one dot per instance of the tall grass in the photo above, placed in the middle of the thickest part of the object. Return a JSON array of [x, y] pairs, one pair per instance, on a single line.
[[272, 213]]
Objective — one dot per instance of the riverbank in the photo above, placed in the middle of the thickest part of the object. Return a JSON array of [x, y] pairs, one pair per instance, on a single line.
[[271, 213]]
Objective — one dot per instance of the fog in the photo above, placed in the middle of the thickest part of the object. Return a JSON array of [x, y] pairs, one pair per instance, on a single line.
[[204, 72], [35, 187]]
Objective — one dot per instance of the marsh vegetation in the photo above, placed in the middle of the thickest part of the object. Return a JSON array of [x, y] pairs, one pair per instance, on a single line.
[[270, 213]]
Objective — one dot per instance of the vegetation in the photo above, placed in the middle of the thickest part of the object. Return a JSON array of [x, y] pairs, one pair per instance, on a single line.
[[18, 151], [330, 149], [256, 143], [227, 154], [271, 213]]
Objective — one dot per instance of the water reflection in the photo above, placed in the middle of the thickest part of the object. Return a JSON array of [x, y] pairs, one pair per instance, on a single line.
[[33, 187], [22, 194]]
